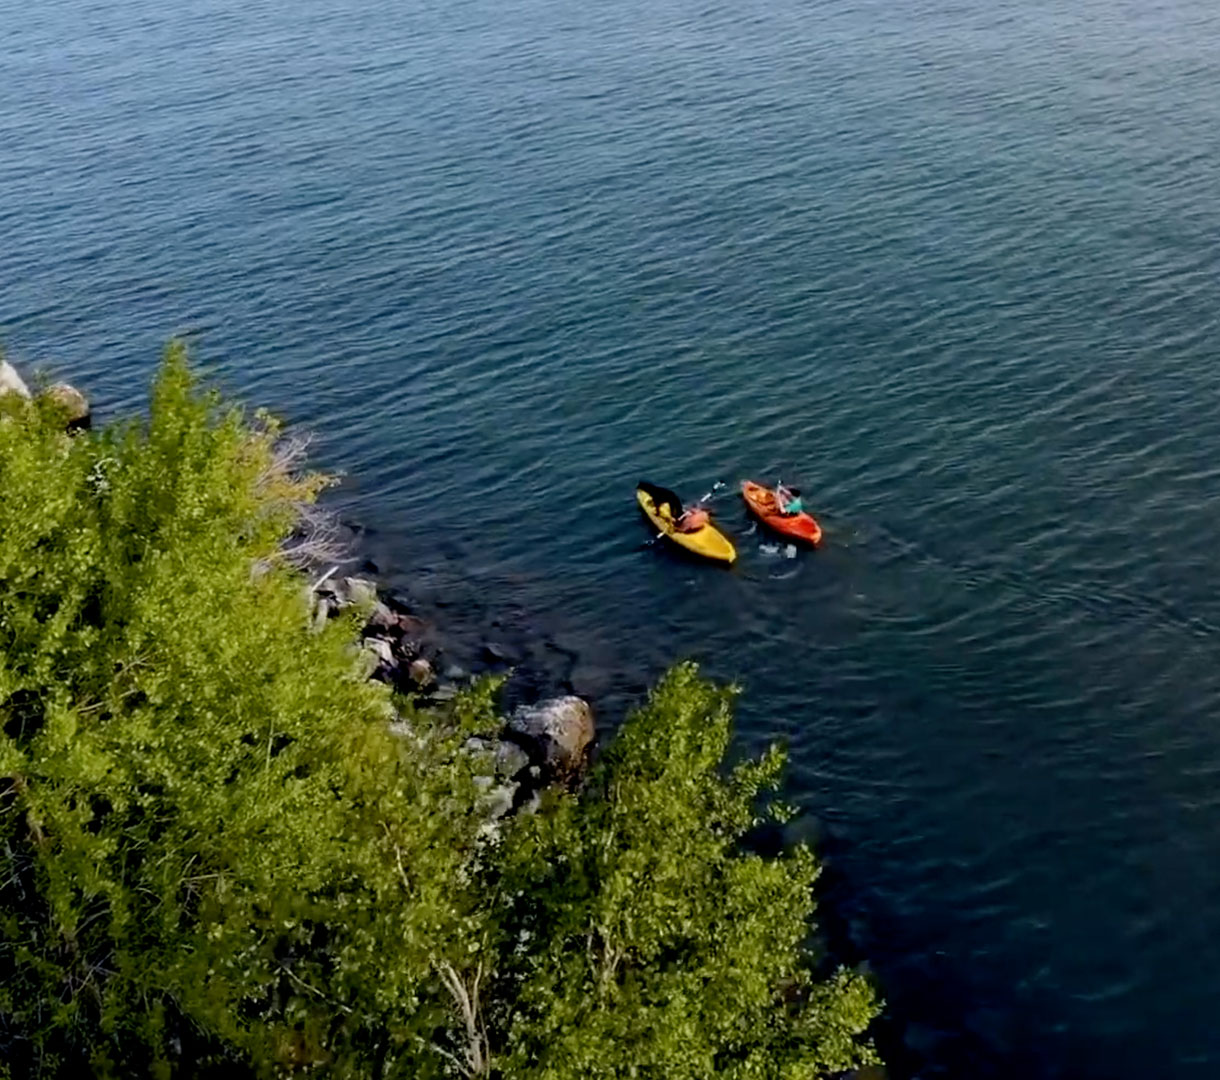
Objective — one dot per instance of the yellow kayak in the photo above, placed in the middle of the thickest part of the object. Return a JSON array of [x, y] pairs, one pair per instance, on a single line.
[[664, 508]]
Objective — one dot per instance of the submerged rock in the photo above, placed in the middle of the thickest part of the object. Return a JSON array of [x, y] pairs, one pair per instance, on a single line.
[[560, 729], [495, 653]]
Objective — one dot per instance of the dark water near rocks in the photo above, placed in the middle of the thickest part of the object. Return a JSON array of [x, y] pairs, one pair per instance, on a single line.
[[953, 267]]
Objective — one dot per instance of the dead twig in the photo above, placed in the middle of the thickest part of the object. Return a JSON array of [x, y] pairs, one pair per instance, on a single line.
[[476, 1058]]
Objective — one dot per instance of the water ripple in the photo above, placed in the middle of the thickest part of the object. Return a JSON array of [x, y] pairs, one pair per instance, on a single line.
[[950, 267]]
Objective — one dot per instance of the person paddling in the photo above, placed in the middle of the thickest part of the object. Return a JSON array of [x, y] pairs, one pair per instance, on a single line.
[[788, 500], [692, 520]]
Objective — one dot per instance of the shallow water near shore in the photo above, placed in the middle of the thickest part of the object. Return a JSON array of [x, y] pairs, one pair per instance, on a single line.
[[951, 268]]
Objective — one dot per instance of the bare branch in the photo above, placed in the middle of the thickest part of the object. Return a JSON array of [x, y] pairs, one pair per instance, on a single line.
[[314, 990], [476, 1052], [402, 870], [319, 538], [324, 579], [288, 457]]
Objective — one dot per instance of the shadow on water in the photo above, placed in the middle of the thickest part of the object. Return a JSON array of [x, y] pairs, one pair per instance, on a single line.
[[936, 1025]]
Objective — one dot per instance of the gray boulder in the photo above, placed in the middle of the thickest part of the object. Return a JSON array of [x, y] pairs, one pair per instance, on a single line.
[[420, 672], [511, 760], [506, 759], [380, 649], [73, 404], [498, 801], [11, 382], [321, 612], [382, 618], [410, 625], [533, 804], [358, 591], [561, 730]]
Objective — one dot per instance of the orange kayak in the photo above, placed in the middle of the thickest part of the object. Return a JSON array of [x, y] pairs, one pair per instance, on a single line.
[[763, 504]]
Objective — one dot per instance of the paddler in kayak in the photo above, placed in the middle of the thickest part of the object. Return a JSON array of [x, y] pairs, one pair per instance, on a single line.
[[788, 500], [692, 520], [690, 529]]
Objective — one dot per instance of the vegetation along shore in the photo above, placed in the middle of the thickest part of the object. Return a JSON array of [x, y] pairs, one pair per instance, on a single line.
[[249, 829]]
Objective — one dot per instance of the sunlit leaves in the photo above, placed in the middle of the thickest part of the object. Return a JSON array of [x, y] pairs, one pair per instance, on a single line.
[[213, 843], [653, 943]]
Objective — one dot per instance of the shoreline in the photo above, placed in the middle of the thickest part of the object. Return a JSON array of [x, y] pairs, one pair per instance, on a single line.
[[432, 631], [487, 624], [462, 649]]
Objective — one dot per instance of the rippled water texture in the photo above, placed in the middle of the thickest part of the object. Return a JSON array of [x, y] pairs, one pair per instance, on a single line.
[[952, 267]]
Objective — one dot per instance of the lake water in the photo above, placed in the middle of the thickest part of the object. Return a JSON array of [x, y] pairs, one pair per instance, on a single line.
[[950, 267]]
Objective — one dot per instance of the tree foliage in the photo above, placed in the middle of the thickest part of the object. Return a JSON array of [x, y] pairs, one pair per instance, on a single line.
[[215, 855], [650, 942]]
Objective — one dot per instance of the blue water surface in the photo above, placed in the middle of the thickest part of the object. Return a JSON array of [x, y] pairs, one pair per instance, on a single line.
[[950, 267]]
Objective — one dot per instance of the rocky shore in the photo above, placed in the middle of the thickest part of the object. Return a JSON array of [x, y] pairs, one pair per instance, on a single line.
[[77, 413], [542, 743]]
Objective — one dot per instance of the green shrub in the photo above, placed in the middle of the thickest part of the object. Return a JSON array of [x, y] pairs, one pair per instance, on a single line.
[[648, 942]]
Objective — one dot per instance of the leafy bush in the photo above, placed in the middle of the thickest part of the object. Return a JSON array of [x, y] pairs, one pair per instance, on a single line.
[[648, 942], [215, 855]]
